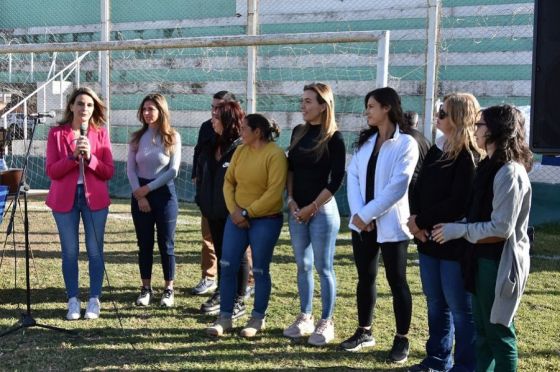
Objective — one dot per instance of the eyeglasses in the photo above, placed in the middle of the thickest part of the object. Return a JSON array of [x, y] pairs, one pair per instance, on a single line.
[[479, 124], [441, 114]]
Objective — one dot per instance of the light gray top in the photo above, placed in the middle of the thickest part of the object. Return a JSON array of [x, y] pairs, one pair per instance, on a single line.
[[148, 160]]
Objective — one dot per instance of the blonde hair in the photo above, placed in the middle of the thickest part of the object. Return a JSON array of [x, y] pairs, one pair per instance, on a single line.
[[97, 117], [166, 132], [463, 111], [324, 96]]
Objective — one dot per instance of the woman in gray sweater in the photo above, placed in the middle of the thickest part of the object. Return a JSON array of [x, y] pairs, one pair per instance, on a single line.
[[154, 157], [496, 226]]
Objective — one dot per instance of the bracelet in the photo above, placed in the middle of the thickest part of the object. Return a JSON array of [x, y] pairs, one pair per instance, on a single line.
[[316, 207], [289, 200]]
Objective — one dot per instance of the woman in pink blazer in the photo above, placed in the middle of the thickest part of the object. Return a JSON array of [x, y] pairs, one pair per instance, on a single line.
[[79, 164]]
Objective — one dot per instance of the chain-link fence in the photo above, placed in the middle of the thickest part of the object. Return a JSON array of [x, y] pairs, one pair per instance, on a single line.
[[483, 47]]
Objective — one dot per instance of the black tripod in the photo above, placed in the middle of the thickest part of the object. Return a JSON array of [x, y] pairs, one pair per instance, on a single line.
[[27, 319]]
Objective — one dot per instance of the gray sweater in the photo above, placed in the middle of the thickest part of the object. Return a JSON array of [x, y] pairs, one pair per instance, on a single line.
[[509, 220], [149, 161]]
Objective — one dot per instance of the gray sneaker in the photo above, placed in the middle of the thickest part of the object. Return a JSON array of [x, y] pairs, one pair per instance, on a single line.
[[238, 308], [204, 286]]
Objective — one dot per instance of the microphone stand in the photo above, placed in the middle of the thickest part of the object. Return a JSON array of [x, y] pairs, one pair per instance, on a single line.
[[27, 319]]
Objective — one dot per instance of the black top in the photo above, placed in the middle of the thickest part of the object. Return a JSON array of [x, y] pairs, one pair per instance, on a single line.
[[210, 180], [480, 205], [423, 148], [441, 195], [312, 175], [370, 177], [205, 135]]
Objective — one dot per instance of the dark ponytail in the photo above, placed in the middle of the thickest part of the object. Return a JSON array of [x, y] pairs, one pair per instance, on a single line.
[[269, 129]]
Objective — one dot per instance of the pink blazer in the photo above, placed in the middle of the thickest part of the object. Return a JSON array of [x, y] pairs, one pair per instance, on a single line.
[[63, 170]]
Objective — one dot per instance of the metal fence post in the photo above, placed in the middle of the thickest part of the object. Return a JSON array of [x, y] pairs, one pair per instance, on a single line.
[[431, 66], [104, 59], [382, 75], [252, 28]]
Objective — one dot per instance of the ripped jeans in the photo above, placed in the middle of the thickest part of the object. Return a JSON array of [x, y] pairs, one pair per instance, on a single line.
[[262, 236]]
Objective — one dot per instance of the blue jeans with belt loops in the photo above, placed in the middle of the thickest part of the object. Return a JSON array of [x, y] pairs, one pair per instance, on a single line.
[[262, 235], [68, 231], [314, 244]]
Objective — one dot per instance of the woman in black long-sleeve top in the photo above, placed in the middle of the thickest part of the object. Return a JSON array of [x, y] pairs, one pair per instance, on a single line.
[[316, 161], [441, 195]]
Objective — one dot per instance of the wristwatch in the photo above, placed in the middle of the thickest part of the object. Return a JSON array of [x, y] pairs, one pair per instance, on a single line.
[[245, 214]]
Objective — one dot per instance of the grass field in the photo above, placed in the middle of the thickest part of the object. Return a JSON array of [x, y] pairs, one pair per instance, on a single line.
[[128, 337]]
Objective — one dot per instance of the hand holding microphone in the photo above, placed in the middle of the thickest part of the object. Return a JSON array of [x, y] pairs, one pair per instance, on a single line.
[[83, 142]]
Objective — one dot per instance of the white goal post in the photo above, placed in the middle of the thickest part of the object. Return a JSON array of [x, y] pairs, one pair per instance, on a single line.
[[381, 37]]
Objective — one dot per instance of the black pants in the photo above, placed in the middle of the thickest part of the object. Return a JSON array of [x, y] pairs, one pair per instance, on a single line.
[[217, 227], [366, 256]]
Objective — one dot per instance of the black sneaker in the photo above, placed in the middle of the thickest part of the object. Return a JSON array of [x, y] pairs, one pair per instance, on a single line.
[[399, 351], [212, 305], [362, 338], [420, 368], [238, 308]]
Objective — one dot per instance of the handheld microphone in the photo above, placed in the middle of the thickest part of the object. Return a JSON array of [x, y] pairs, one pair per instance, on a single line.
[[83, 132], [83, 129], [50, 114]]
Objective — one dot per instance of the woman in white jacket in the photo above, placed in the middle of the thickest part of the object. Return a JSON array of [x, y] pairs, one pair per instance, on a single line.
[[378, 178]]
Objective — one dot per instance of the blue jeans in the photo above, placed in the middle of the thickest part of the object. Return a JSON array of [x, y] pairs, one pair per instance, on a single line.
[[68, 231], [314, 243], [449, 316], [262, 235], [163, 215]]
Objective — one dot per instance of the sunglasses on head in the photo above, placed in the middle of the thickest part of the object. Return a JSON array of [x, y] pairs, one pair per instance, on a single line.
[[441, 114]]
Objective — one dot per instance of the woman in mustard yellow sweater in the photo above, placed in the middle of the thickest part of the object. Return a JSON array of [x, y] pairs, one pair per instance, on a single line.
[[253, 188]]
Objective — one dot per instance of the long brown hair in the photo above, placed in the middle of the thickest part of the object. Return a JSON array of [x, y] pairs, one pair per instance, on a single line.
[[324, 95], [98, 117], [165, 130], [231, 115], [506, 125]]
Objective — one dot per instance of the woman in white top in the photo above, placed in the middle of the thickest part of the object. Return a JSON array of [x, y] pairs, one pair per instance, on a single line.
[[378, 178]]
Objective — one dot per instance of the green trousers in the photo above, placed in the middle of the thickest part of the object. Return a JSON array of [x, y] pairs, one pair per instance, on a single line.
[[496, 344]]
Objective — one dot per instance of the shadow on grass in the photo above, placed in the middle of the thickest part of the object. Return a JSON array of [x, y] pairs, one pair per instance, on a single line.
[[107, 348]]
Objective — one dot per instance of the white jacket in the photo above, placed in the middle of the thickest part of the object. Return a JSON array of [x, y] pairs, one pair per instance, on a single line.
[[395, 165]]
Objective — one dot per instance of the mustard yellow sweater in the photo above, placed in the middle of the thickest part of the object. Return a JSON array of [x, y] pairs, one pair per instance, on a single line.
[[255, 180]]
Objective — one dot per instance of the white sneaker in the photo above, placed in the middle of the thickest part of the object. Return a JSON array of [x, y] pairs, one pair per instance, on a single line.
[[144, 297], [93, 308], [168, 298], [73, 309], [302, 326], [323, 334]]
